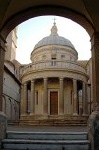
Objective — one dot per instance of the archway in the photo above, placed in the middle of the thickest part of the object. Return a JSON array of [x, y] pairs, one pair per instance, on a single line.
[[17, 18], [46, 10], [54, 9], [34, 29]]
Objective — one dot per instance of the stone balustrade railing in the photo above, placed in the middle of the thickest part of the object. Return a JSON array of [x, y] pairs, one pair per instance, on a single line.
[[53, 64]]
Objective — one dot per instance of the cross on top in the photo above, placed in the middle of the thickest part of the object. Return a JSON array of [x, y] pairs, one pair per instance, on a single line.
[[54, 21]]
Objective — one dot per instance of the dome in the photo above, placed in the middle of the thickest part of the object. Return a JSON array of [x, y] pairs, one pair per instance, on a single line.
[[54, 39]]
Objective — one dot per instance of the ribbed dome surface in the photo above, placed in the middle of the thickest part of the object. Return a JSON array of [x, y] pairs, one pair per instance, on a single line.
[[54, 39]]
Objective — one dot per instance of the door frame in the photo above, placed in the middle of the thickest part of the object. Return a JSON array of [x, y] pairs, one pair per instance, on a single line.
[[52, 90]]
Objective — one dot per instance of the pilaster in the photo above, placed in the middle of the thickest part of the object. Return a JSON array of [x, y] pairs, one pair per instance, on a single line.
[[61, 97], [25, 96], [45, 98], [85, 103], [75, 98], [95, 69], [93, 122], [32, 101]]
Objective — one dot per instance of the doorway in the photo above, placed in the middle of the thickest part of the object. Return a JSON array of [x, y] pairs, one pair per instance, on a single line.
[[54, 103]]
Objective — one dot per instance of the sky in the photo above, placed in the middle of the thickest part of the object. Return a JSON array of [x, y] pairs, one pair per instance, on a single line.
[[33, 30]]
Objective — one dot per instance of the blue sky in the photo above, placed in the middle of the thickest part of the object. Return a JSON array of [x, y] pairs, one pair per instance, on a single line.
[[33, 30]]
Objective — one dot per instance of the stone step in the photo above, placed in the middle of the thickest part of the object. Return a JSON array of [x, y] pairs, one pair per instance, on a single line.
[[46, 141], [53, 122], [20, 144], [48, 135]]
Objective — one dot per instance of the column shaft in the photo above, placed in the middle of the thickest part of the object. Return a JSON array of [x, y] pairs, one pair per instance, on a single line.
[[75, 99], [25, 106], [32, 101], [45, 102], [22, 101], [95, 70], [85, 104], [61, 97]]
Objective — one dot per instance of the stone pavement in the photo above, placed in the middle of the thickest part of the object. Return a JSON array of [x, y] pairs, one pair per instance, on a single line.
[[47, 128]]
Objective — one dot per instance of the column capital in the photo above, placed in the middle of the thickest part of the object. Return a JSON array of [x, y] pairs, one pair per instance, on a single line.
[[45, 78], [74, 79], [61, 78], [74, 82], [25, 84], [33, 80]]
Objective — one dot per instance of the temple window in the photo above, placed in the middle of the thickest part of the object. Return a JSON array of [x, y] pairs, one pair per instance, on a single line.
[[62, 56], [53, 56]]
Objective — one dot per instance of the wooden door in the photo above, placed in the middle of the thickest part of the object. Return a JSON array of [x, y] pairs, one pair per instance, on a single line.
[[54, 103]]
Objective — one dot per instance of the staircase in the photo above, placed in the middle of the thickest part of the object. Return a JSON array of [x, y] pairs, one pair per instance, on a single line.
[[46, 141], [53, 120]]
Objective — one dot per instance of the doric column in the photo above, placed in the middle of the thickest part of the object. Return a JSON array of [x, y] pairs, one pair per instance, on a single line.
[[75, 98], [95, 69], [32, 101], [2, 54], [61, 97], [25, 100], [45, 98], [84, 96]]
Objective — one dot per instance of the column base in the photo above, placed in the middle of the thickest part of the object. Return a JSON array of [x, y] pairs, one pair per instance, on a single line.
[[75, 114], [25, 114], [31, 114], [61, 114], [84, 115]]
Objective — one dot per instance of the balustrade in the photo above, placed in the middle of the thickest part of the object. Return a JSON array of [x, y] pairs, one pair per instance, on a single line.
[[52, 65]]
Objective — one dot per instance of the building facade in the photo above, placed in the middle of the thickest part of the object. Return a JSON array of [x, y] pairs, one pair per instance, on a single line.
[[11, 82], [11, 45], [55, 84]]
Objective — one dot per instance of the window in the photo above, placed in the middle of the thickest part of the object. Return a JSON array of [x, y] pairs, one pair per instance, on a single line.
[[62, 56], [53, 63], [53, 56]]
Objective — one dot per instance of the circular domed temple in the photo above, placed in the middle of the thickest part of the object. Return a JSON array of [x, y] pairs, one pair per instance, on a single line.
[[54, 84]]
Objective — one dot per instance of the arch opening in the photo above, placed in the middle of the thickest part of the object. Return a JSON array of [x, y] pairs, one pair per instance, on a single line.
[[60, 61], [33, 30], [26, 14]]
